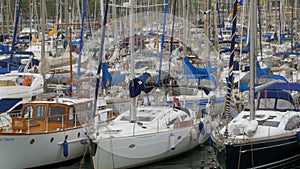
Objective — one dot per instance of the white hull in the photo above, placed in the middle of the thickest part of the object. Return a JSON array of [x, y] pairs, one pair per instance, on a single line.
[[143, 149], [18, 152]]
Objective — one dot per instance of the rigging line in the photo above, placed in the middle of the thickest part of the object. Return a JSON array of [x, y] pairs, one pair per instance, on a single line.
[[219, 20], [260, 29], [57, 25], [162, 43], [279, 15], [89, 21], [171, 43], [103, 27]]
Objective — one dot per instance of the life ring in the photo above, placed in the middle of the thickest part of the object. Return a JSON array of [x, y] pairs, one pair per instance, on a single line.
[[28, 81]]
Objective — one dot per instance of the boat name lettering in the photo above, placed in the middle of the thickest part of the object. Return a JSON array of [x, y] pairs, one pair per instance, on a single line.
[[7, 139]]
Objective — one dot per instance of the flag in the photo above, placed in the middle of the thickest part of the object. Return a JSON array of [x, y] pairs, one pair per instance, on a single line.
[[138, 25], [155, 43], [239, 6], [111, 20], [53, 32]]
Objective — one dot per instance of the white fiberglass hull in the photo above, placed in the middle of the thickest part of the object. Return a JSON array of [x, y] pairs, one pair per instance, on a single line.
[[27, 151], [138, 150]]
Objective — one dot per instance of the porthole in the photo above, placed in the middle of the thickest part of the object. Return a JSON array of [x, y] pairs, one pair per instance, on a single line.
[[51, 140], [32, 141], [78, 135], [179, 137], [66, 137], [131, 145]]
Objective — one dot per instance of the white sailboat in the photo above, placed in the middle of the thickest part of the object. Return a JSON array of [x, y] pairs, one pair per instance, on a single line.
[[18, 88], [145, 133], [47, 130], [267, 134]]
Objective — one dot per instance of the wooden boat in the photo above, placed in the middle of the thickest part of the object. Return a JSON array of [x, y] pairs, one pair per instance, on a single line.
[[47, 132]]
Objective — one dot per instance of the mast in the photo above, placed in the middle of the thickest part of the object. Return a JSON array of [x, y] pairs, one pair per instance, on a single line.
[[44, 64], [114, 12], [13, 47], [81, 37], [230, 70], [131, 43], [292, 26], [253, 27], [260, 29], [2, 18], [172, 36]]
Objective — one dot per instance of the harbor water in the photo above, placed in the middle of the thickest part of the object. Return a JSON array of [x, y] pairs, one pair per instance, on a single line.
[[202, 157]]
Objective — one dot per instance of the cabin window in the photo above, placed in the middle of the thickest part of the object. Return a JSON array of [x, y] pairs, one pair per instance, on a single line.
[[173, 121], [56, 113], [284, 105], [293, 123], [125, 118], [27, 112], [40, 113], [183, 117], [71, 113], [144, 118], [266, 103]]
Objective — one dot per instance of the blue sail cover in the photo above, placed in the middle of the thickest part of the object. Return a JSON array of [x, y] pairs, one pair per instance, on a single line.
[[263, 73], [7, 104], [4, 48], [137, 85], [106, 76], [286, 54], [108, 80], [189, 68]]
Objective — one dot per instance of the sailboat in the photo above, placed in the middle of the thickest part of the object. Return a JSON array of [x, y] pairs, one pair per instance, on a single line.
[[46, 131], [266, 134], [17, 88], [145, 133]]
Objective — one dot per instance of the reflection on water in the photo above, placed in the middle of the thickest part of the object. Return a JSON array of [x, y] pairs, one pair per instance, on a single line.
[[202, 157]]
